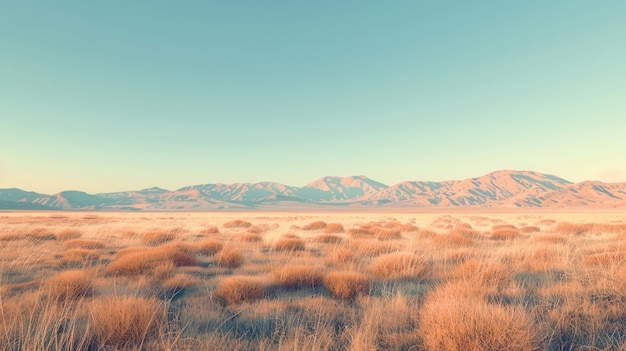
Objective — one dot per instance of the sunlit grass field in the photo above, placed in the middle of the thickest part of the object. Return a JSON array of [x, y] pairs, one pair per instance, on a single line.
[[312, 281]]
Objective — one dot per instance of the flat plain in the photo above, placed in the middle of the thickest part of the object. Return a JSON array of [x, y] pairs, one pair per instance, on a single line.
[[386, 280]]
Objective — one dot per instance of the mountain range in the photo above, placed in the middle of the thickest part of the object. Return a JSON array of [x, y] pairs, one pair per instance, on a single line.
[[499, 189]]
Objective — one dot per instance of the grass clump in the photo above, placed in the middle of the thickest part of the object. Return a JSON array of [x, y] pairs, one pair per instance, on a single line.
[[400, 266], [297, 276], [346, 285], [70, 285], [124, 321], [209, 246], [237, 223], [84, 244], [289, 243], [230, 258], [332, 228], [145, 260], [238, 289], [158, 237], [317, 225], [69, 234]]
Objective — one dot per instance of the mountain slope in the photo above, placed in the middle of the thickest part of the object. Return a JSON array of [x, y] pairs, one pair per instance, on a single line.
[[506, 188]]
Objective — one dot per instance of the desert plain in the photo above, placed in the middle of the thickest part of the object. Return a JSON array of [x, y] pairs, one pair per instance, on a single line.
[[325, 280]]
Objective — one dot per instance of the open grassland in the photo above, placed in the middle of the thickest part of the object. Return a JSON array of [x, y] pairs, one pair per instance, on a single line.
[[312, 281]]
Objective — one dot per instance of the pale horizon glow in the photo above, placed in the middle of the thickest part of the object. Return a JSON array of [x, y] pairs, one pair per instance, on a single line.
[[116, 96]]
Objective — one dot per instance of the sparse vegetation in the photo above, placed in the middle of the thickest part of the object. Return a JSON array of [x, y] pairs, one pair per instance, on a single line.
[[407, 282]]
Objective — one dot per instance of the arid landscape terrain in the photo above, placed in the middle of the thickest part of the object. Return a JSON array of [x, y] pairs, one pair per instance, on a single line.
[[341, 280]]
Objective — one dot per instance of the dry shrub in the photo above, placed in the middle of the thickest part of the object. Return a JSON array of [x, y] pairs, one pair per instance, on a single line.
[[605, 259], [360, 232], [340, 256], [387, 234], [84, 244], [546, 222], [334, 228], [373, 248], [550, 238], [400, 266], [318, 225], [506, 234], [453, 239], [157, 236], [329, 239], [144, 260], [568, 228], [251, 237], [297, 276], [210, 230], [237, 223], [237, 289], [426, 233], [124, 321], [72, 284], [40, 234], [530, 229], [209, 246], [230, 258], [289, 243], [346, 285], [69, 234], [179, 282], [503, 226], [79, 257], [452, 321]]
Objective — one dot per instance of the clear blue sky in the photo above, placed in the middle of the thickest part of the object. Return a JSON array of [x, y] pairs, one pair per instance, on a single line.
[[118, 95]]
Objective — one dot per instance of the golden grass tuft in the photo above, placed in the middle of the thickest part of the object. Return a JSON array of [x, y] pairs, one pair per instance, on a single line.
[[453, 239], [289, 243], [550, 238], [69, 234], [209, 246], [178, 282], [145, 260], [211, 229], [332, 228], [251, 237], [346, 285], [71, 284], [451, 321], [297, 276], [360, 232], [400, 266], [503, 226], [373, 248], [530, 229], [506, 234], [124, 321], [158, 237], [237, 223], [79, 257], [340, 256], [84, 244], [229, 257], [329, 239], [425, 233], [318, 225], [568, 228], [238, 289]]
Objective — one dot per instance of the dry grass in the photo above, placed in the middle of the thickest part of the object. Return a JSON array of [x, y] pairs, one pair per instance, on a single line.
[[238, 289], [400, 266], [123, 321], [346, 285], [251, 237], [451, 321], [329, 239], [145, 260], [238, 223], [317, 225], [71, 284], [333, 228], [448, 286], [209, 246], [297, 276], [289, 243], [506, 234], [69, 234], [84, 244], [211, 229], [158, 237], [229, 257]]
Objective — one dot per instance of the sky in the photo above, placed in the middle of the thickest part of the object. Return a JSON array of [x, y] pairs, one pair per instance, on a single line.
[[104, 96]]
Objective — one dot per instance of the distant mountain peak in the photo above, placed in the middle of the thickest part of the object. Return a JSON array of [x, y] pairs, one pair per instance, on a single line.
[[501, 188]]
